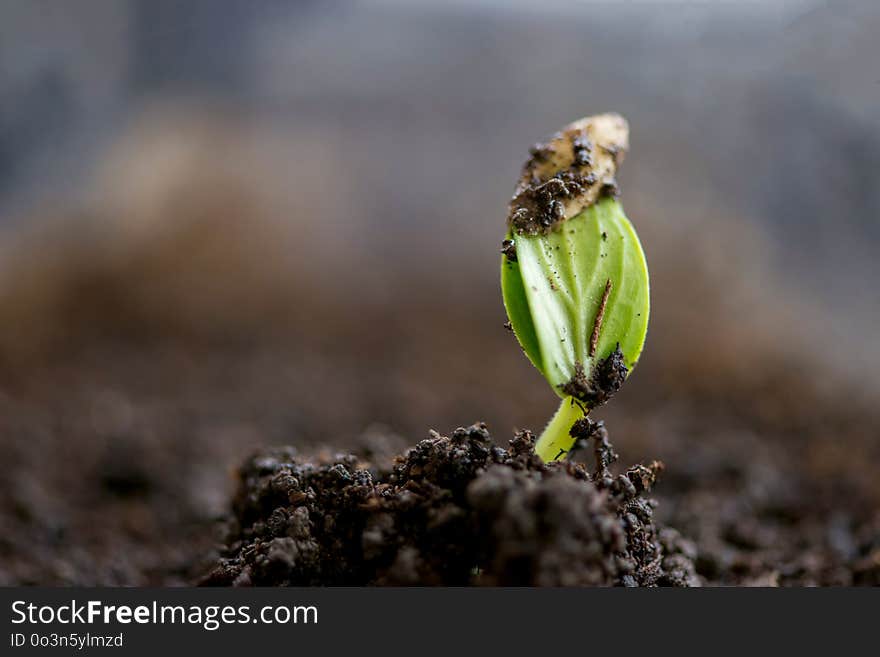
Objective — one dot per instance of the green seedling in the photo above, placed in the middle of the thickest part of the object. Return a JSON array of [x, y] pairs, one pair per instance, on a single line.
[[573, 273]]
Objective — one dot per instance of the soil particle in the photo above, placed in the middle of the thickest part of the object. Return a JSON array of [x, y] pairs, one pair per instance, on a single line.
[[606, 379], [610, 189], [455, 510], [508, 249], [581, 147], [583, 431]]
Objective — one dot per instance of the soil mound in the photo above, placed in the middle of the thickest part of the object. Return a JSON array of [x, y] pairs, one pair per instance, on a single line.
[[454, 510]]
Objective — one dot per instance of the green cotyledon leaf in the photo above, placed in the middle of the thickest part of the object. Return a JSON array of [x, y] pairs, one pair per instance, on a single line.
[[554, 290], [573, 274]]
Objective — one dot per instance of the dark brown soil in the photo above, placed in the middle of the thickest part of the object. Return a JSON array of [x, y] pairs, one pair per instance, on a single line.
[[761, 517], [461, 511], [453, 511]]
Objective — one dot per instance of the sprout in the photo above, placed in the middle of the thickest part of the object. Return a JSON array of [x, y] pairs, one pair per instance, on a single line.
[[573, 273]]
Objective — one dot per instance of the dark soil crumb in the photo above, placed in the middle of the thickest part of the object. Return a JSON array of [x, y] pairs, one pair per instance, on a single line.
[[610, 188], [540, 207], [453, 511], [585, 429], [581, 147], [606, 379], [508, 249]]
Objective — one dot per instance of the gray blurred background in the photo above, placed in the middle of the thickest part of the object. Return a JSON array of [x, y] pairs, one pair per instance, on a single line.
[[225, 224]]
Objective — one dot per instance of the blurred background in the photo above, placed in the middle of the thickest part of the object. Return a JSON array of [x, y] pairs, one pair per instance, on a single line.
[[231, 224]]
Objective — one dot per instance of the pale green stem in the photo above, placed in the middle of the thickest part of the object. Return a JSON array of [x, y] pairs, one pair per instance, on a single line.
[[556, 440]]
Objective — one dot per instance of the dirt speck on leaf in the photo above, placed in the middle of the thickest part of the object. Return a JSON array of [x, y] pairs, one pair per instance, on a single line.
[[606, 379], [508, 249]]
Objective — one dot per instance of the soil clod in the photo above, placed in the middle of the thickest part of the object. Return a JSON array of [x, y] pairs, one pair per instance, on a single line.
[[607, 377], [508, 249]]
